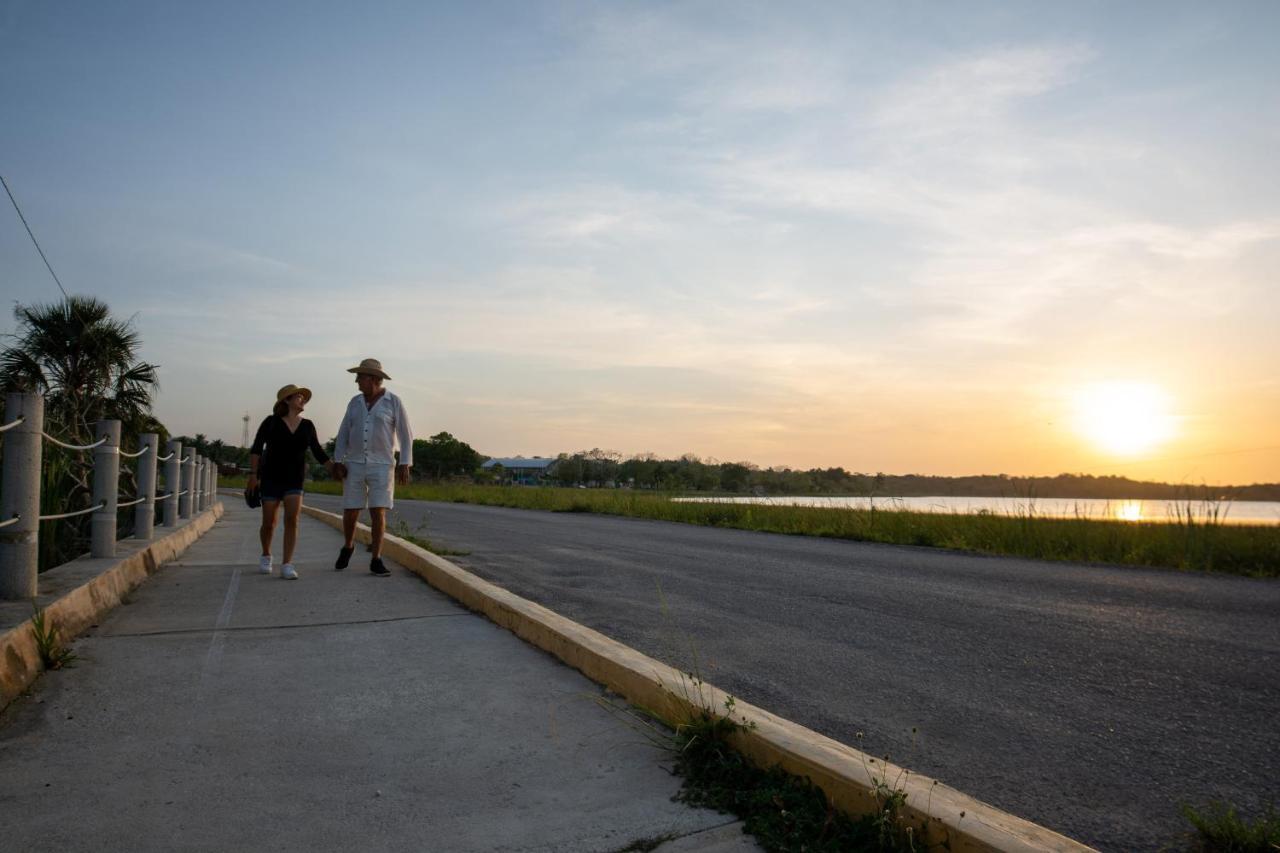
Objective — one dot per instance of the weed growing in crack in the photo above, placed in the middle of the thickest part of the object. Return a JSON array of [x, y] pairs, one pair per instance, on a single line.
[[53, 654]]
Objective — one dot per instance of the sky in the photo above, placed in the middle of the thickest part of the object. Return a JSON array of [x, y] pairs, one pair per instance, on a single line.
[[937, 238]]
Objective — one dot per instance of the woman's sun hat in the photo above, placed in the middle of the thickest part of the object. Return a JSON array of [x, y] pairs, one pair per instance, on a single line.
[[370, 367], [289, 390]]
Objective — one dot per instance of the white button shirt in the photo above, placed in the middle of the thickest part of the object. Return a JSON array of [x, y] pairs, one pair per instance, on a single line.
[[372, 435]]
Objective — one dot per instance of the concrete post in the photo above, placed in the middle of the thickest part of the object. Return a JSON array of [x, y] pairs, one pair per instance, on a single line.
[[20, 496], [197, 486], [106, 487], [213, 482], [188, 483], [144, 515], [204, 483], [172, 482]]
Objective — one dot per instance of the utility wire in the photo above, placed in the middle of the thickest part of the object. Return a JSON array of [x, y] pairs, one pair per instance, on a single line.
[[33, 237]]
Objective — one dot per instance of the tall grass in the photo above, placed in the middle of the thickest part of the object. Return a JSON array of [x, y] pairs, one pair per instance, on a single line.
[[1194, 540]]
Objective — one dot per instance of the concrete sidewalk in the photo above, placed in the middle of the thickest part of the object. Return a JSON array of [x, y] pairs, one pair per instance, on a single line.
[[221, 709]]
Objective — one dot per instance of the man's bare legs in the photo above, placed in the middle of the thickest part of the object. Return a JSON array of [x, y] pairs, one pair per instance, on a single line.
[[349, 519], [377, 527]]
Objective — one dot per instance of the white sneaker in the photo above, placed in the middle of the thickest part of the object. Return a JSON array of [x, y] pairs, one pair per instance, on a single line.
[[264, 564], [288, 573]]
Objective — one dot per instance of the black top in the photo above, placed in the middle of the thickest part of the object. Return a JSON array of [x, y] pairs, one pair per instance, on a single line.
[[284, 462]]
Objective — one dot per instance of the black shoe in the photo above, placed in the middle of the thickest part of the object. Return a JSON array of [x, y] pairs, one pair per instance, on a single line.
[[344, 557], [378, 568]]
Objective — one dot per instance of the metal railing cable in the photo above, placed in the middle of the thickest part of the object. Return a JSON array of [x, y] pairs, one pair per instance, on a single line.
[[165, 458], [164, 496], [135, 455], [60, 443], [13, 520], [131, 503], [13, 423], [99, 505]]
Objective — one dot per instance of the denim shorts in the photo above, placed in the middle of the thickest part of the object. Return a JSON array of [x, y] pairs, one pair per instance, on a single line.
[[277, 492]]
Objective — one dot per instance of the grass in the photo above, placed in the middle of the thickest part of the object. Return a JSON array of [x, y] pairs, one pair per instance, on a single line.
[[1219, 829], [53, 654], [401, 528], [1191, 541], [782, 811]]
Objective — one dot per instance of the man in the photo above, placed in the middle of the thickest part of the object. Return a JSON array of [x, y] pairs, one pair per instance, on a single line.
[[374, 427]]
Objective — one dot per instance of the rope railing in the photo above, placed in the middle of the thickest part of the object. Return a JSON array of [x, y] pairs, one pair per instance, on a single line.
[[189, 479], [99, 505], [61, 443]]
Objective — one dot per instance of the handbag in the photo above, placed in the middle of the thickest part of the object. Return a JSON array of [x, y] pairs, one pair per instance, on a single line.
[[253, 497]]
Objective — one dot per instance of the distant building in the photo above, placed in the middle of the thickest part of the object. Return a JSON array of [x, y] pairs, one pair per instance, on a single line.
[[518, 469]]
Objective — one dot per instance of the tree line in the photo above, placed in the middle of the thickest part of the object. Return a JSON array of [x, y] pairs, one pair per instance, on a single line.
[[599, 468]]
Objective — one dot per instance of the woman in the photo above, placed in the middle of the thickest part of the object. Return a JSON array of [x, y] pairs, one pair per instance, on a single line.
[[283, 439]]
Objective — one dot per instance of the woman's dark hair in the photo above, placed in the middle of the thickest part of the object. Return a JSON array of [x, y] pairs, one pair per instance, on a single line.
[[281, 408]]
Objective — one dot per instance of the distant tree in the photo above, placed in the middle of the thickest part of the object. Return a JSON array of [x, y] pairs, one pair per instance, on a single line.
[[568, 470], [442, 456], [735, 477]]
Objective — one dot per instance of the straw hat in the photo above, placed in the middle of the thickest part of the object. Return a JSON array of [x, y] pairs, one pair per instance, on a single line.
[[290, 390], [369, 367]]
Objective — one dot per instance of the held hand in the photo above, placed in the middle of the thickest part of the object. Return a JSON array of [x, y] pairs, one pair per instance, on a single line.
[[402, 475], [339, 471], [252, 483]]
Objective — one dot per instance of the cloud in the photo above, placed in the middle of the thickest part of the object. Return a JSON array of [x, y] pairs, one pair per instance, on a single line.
[[724, 66], [976, 90]]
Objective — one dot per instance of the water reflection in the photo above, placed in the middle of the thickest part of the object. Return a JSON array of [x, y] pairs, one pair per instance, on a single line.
[[1217, 512], [1129, 511]]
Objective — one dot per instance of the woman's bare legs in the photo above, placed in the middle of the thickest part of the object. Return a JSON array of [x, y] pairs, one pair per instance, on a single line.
[[292, 509], [270, 510]]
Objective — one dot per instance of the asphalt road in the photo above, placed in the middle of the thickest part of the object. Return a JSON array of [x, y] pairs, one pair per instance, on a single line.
[[1089, 699]]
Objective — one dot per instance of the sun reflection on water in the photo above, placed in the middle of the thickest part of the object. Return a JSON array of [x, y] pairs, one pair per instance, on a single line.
[[1128, 511]]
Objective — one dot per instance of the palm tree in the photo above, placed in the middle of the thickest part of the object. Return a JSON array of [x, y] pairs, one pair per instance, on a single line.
[[84, 363]]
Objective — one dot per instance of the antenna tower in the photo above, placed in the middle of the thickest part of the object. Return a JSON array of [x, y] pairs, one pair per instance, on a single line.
[[244, 434]]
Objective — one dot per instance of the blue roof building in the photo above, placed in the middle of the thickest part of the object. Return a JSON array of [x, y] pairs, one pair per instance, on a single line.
[[518, 469]]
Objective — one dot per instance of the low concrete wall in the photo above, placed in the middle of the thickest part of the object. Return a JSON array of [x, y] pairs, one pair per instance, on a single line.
[[75, 595], [942, 814]]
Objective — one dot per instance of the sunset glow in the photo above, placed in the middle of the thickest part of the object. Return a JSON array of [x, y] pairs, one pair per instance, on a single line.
[[945, 239], [1124, 418]]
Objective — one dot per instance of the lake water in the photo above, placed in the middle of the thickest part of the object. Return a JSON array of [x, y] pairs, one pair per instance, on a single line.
[[1238, 512]]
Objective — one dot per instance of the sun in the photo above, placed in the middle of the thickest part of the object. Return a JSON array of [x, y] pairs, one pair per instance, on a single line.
[[1124, 418]]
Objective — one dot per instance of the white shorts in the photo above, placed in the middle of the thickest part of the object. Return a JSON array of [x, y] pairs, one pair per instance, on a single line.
[[368, 484]]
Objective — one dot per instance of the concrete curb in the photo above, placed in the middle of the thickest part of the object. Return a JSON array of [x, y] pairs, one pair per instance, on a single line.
[[76, 594], [850, 778]]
